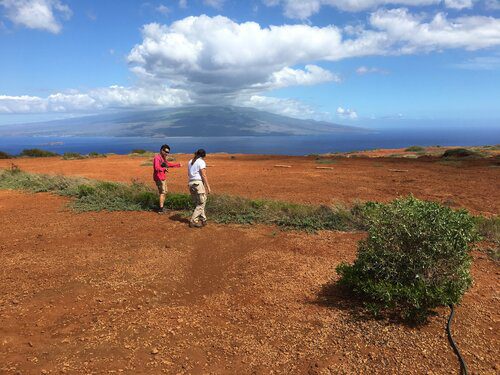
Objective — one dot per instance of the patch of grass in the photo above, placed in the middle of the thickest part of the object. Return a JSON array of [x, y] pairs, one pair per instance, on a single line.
[[451, 163], [489, 228], [147, 163], [37, 153], [4, 155], [139, 151], [415, 149]]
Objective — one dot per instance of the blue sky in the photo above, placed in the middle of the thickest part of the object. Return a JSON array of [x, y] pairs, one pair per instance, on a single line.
[[348, 61]]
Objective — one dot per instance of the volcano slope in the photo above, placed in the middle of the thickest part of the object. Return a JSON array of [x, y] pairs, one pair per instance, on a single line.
[[136, 292]]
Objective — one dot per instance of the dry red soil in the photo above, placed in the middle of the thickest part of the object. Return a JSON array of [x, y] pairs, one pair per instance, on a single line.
[[137, 292]]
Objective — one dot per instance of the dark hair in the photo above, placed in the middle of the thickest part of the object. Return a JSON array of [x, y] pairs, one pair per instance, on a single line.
[[163, 147], [199, 154]]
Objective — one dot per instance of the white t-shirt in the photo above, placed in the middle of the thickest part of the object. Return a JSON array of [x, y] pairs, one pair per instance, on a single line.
[[194, 169]]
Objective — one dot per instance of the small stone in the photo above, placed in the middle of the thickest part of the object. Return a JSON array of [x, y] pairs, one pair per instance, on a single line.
[[154, 351]]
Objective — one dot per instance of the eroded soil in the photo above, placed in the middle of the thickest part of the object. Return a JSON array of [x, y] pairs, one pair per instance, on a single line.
[[137, 292]]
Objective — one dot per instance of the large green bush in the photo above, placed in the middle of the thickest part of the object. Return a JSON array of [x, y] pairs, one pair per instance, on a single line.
[[37, 153], [5, 155], [415, 258]]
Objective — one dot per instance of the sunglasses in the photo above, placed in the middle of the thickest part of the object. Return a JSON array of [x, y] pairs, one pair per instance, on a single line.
[[165, 151]]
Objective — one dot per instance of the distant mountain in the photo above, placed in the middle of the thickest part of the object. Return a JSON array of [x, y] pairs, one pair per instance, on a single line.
[[201, 121]]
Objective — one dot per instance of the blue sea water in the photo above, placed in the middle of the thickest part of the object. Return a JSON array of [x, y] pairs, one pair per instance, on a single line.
[[282, 145]]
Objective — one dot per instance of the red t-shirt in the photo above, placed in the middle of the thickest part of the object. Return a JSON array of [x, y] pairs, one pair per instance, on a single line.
[[159, 172]]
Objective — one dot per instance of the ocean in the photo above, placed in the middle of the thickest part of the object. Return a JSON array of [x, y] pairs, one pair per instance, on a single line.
[[278, 145]]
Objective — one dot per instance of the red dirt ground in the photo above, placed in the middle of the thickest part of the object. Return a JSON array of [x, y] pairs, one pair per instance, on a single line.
[[136, 292]]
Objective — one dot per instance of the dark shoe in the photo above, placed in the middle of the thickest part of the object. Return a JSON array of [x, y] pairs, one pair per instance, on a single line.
[[195, 225], [162, 210], [203, 223]]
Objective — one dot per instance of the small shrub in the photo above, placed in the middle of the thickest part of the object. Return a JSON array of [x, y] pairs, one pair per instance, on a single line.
[[96, 155], [415, 149], [460, 153], [37, 153], [72, 156], [139, 151], [4, 155], [489, 228], [416, 257], [147, 163]]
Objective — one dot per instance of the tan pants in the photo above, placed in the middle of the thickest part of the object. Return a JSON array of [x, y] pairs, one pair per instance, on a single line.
[[199, 197]]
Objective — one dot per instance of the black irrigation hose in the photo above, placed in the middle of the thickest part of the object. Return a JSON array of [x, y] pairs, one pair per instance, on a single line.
[[463, 366]]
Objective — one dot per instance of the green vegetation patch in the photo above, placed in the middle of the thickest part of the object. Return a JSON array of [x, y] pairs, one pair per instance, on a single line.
[[5, 155], [415, 149], [325, 161], [462, 153], [415, 258], [73, 156], [37, 153]]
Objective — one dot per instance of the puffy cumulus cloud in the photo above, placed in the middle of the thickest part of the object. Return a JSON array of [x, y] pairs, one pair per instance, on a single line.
[[346, 113], [216, 55], [95, 100], [37, 14], [409, 34], [311, 75]]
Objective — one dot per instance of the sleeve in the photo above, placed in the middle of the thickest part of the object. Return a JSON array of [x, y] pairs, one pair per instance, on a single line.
[[157, 164], [173, 165], [202, 164]]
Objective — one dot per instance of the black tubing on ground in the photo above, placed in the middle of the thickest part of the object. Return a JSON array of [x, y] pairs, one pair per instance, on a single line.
[[463, 366]]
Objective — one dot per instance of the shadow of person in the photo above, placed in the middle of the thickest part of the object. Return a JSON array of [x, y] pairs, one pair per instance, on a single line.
[[178, 217]]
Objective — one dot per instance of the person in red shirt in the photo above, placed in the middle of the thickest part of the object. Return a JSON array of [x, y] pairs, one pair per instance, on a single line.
[[160, 169]]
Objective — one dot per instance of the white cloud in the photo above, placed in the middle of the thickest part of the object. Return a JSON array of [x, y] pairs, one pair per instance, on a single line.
[[303, 9], [347, 113], [409, 34], [183, 4], [37, 14], [95, 100], [311, 75]]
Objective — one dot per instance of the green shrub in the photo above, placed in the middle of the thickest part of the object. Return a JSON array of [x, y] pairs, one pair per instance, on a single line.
[[415, 149], [325, 161], [37, 153], [72, 156], [139, 151], [415, 258], [489, 228], [460, 153], [4, 155], [96, 155]]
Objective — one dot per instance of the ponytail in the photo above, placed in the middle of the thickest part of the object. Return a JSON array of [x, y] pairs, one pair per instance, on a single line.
[[198, 154]]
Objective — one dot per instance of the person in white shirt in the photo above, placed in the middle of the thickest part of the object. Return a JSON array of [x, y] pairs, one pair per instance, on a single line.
[[199, 188]]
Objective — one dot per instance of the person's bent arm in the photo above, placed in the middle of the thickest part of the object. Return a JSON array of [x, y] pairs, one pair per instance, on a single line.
[[174, 165], [205, 180]]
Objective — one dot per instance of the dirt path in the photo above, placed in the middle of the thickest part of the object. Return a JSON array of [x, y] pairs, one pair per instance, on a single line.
[[141, 293], [469, 184]]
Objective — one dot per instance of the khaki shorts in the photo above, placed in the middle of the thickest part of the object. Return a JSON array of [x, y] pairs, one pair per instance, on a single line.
[[162, 186]]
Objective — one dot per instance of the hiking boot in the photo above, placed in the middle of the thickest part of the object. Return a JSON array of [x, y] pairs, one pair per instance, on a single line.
[[162, 210], [192, 224], [203, 222]]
